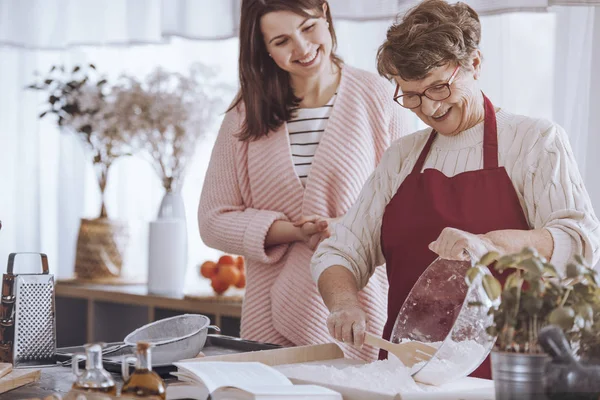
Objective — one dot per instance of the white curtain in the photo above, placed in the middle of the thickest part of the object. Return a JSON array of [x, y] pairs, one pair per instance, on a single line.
[[538, 64], [57, 24], [577, 88]]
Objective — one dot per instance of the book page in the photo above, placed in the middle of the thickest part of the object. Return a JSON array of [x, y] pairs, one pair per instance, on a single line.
[[276, 392], [217, 374]]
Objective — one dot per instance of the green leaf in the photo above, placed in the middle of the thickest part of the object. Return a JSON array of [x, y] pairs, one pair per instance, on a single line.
[[92, 66], [77, 68], [579, 259], [475, 304], [532, 305], [537, 287], [43, 114], [492, 287], [506, 261], [472, 274], [585, 311], [48, 81], [530, 251], [489, 258], [513, 280], [564, 317], [533, 266], [550, 270], [573, 270]]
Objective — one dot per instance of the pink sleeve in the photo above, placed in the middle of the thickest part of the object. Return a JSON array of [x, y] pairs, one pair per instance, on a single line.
[[225, 221]]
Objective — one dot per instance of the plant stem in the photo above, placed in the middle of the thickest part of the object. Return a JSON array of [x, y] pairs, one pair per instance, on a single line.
[[565, 297], [102, 171]]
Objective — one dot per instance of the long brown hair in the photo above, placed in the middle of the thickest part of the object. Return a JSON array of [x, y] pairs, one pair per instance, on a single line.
[[265, 89]]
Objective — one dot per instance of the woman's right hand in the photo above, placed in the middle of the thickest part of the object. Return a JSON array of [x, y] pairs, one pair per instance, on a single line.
[[312, 233], [347, 323]]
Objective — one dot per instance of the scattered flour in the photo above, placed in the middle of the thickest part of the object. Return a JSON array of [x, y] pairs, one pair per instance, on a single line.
[[386, 376], [391, 376]]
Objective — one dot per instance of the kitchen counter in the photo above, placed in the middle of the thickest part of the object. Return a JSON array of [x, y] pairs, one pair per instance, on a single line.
[[58, 379], [54, 380]]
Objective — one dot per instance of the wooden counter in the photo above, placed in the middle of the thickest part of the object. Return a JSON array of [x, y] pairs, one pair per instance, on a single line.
[[87, 312]]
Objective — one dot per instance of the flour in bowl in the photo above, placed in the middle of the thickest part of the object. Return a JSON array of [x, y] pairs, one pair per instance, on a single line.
[[453, 361]]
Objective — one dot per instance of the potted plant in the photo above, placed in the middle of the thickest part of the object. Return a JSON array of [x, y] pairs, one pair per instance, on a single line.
[[80, 101], [534, 295], [166, 115]]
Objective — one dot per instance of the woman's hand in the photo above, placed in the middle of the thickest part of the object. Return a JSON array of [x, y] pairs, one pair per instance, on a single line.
[[347, 323], [313, 230], [454, 244]]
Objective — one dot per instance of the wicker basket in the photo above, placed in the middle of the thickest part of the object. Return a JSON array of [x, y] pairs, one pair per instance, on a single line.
[[101, 247]]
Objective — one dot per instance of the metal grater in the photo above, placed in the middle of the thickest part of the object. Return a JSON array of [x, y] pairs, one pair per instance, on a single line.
[[27, 317]]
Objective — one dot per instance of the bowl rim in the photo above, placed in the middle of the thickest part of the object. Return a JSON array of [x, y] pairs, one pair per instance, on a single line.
[[128, 341]]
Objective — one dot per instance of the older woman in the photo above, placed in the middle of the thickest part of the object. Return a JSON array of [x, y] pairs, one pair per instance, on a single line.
[[480, 178]]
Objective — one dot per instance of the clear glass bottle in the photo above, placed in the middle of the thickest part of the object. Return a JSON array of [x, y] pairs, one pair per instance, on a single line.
[[143, 382], [95, 378]]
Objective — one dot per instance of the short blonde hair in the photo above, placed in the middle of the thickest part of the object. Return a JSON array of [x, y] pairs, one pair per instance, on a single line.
[[430, 35]]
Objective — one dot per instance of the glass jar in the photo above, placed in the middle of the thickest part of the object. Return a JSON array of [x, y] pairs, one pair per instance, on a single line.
[[143, 382], [95, 378]]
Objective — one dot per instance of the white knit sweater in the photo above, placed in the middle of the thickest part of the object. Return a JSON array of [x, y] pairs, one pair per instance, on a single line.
[[538, 159]]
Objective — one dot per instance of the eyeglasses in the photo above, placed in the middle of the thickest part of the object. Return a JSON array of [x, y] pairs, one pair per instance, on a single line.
[[436, 93]]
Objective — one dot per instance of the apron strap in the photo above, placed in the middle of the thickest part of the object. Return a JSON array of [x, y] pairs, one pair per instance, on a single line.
[[421, 161], [490, 135], [490, 140]]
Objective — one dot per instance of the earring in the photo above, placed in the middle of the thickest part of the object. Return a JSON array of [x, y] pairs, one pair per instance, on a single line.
[[328, 24], [270, 55]]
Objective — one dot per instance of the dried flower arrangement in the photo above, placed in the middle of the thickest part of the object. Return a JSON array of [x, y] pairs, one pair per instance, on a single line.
[[80, 100], [166, 114], [535, 295]]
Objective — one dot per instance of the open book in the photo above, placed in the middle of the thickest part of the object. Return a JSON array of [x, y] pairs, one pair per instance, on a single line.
[[240, 381]]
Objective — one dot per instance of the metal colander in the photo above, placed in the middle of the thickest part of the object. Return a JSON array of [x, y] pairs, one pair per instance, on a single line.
[[174, 338]]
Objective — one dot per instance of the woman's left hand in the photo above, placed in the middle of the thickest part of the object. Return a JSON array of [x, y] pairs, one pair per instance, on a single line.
[[454, 244]]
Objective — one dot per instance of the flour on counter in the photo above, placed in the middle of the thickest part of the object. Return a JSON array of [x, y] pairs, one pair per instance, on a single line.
[[391, 376], [385, 376]]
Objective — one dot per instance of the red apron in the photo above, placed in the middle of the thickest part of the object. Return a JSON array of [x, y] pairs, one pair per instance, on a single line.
[[427, 202]]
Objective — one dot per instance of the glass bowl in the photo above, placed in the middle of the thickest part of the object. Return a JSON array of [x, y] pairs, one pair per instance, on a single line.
[[439, 311]]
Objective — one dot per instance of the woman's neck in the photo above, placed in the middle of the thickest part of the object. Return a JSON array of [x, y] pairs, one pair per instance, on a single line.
[[316, 91]]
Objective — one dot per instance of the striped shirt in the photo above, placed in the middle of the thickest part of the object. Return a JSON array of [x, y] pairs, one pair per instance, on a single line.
[[306, 129]]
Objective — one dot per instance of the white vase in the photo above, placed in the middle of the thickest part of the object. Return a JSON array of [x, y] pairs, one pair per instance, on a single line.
[[168, 248]]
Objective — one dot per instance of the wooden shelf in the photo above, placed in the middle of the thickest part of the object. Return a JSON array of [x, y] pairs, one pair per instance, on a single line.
[[108, 312]]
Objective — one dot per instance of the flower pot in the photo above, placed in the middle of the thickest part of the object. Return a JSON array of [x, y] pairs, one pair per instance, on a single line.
[[101, 247], [519, 376]]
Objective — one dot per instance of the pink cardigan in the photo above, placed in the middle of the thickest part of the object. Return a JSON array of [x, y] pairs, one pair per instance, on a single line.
[[249, 185]]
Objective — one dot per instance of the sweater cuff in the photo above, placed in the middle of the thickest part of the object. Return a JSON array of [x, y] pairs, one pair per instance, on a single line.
[[320, 265], [563, 249], [256, 233]]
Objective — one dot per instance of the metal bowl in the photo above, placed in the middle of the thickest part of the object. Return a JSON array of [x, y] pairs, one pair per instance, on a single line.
[[174, 338]]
